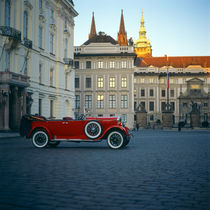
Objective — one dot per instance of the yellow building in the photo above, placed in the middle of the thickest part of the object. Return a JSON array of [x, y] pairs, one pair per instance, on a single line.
[[142, 46]]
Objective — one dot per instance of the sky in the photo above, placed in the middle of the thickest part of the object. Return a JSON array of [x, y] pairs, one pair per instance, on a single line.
[[174, 27]]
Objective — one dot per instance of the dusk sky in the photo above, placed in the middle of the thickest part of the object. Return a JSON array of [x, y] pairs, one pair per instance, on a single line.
[[174, 27]]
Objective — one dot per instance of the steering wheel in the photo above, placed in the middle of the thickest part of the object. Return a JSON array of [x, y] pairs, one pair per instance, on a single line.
[[82, 117]]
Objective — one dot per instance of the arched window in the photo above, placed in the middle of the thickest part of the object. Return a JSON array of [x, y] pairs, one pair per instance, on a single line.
[[25, 24], [7, 13]]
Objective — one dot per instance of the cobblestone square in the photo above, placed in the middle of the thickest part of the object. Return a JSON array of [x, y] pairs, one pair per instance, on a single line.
[[157, 170]]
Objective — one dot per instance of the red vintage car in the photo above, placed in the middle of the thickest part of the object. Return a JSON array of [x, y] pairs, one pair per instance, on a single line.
[[46, 132]]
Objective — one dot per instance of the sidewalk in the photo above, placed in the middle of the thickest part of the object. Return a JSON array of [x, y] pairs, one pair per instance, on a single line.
[[9, 134]]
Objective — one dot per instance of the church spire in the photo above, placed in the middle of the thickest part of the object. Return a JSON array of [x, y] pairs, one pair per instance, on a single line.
[[93, 28], [122, 35]]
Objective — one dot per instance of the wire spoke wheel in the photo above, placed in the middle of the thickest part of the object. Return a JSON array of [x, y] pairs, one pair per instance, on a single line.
[[93, 129], [115, 140], [40, 139]]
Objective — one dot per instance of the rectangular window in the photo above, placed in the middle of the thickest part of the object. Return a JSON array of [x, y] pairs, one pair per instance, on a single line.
[[7, 60], [163, 93], [40, 37], [172, 93], [151, 92], [51, 108], [112, 101], [51, 43], [142, 80], [134, 93], [151, 106], [26, 67], [124, 82], [124, 64], [163, 106], [88, 82], [124, 118], [100, 101], [112, 82], [40, 4], [100, 64], [40, 73], [66, 81], [25, 24], [40, 106], [77, 101], [142, 92], [171, 81], [65, 24], [65, 48], [162, 80], [124, 101], [88, 101], [172, 106], [76, 64], [112, 64], [51, 77], [76, 82], [205, 104], [7, 13], [100, 82], [88, 64], [52, 16], [151, 117], [151, 80], [142, 104]]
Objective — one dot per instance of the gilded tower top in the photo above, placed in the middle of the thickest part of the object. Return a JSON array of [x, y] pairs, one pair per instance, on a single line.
[[142, 46]]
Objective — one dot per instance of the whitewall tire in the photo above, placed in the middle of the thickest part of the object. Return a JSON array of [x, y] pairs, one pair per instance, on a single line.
[[40, 139], [93, 129], [115, 140]]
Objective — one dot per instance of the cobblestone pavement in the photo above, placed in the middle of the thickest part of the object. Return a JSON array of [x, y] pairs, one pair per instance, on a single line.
[[158, 170]]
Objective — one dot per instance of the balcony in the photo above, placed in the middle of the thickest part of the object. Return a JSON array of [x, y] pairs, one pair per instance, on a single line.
[[68, 61], [14, 79], [10, 32], [27, 43]]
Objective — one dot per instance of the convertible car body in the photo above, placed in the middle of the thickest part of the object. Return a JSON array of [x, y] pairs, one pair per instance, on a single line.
[[51, 132]]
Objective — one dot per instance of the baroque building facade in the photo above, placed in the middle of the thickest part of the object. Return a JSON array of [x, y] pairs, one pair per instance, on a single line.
[[36, 48], [189, 83], [104, 74]]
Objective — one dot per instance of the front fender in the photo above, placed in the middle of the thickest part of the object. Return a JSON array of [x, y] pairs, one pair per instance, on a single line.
[[112, 128]]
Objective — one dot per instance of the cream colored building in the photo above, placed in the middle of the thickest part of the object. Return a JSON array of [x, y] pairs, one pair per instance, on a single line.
[[187, 85], [104, 79], [36, 68]]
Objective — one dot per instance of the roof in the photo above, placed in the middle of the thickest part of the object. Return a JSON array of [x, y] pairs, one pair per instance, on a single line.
[[176, 62], [101, 38]]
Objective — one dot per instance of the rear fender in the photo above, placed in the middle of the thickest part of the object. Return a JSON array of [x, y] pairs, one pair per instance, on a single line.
[[33, 130]]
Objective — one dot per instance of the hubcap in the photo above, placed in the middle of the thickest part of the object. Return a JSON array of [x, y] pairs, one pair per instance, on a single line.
[[92, 129], [115, 139], [40, 139]]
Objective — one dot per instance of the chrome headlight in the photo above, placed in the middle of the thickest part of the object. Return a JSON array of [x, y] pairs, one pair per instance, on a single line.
[[118, 119]]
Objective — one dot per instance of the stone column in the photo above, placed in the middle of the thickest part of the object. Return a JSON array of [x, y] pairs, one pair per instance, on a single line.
[[14, 111], [167, 119], [141, 119], [195, 119], [4, 107]]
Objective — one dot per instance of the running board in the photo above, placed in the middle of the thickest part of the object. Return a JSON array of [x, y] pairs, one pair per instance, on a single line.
[[77, 140]]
